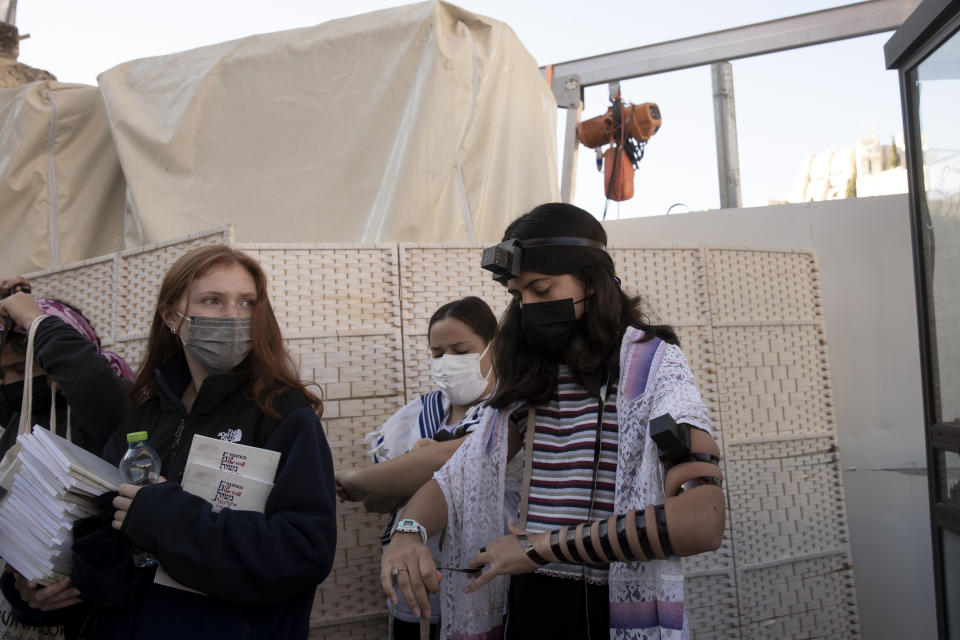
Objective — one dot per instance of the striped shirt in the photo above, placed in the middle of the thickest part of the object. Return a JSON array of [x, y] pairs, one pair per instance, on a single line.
[[562, 474]]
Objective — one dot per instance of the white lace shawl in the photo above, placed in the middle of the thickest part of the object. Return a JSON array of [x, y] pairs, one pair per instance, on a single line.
[[646, 597]]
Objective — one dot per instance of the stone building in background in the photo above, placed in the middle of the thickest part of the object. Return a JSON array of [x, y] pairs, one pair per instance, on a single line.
[[868, 169]]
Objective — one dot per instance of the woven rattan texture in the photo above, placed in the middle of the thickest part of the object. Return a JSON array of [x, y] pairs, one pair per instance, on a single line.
[[672, 281], [713, 597], [774, 385], [786, 510], [140, 274], [340, 314], [763, 286], [751, 327], [331, 289], [88, 288], [430, 276], [819, 603]]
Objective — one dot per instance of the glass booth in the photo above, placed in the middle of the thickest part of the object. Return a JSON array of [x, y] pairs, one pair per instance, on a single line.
[[926, 52]]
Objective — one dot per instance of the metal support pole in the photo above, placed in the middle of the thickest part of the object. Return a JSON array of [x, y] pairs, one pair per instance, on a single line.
[[569, 95], [725, 123], [570, 148]]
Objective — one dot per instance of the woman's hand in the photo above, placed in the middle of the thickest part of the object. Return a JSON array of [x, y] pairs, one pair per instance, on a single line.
[[21, 307], [408, 564], [11, 283], [345, 488], [505, 556], [56, 596], [122, 503]]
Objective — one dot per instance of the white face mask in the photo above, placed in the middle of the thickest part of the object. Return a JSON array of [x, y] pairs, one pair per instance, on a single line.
[[458, 376]]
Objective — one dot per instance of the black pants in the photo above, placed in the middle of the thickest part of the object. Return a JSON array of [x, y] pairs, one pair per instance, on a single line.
[[556, 608]]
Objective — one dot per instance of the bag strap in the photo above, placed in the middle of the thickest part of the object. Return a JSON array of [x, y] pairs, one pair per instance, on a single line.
[[54, 388], [26, 403], [527, 465]]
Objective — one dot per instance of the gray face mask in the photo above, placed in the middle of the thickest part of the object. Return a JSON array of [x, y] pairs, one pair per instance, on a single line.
[[217, 344]]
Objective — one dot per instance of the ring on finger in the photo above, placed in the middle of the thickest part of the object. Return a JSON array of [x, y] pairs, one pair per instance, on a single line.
[[396, 571]]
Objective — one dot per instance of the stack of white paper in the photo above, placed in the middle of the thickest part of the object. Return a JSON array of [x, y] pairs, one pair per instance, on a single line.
[[227, 475], [54, 483]]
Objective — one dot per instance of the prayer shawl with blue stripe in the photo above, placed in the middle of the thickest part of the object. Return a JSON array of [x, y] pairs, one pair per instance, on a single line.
[[646, 599]]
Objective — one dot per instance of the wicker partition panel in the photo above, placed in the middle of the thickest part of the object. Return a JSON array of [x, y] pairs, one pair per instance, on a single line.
[[763, 286], [432, 275], [353, 587], [713, 611], [786, 509], [89, 286], [340, 366], [141, 272], [339, 311], [670, 280], [774, 381], [820, 601], [787, 499], [416, 357], [325, 288]]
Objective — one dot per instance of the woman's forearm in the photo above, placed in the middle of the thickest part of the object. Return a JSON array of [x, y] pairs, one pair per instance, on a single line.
[[428, 506], [403, 475]]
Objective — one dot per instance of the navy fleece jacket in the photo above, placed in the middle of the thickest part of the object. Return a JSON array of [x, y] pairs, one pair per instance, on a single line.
[[259, 570]]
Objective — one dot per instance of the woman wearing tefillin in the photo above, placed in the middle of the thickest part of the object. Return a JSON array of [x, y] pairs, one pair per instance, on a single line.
[[619, 474]]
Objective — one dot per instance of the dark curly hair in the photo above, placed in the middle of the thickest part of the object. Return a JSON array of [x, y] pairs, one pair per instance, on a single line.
[[592, 354]]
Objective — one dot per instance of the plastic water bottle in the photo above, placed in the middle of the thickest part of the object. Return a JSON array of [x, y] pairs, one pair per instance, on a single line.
[[140, 465]]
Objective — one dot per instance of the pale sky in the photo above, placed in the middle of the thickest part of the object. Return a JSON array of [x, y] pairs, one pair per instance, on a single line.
[[787, 104]]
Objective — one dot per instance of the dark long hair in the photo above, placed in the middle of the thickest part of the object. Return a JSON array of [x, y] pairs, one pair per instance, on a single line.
[[471, 311], [593, 354], [272, 369]]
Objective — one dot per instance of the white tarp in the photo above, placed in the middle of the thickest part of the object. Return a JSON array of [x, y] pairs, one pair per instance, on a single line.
[[61, 189], [408, 124]]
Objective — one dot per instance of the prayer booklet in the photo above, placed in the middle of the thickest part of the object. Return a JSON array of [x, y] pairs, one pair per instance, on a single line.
[[228, 476], [54, 483], [240, 459]]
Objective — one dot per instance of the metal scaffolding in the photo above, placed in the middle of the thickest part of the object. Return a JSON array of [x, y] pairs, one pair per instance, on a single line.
[[717, 49]]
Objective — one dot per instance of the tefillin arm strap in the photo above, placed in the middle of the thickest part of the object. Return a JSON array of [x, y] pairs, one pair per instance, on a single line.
[[635, 535], [640, 534]]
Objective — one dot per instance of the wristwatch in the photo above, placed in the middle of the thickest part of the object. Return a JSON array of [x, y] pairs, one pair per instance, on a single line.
[[409, 525]]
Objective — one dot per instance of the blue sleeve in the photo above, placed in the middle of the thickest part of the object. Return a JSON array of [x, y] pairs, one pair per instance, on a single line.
[[244, 557]]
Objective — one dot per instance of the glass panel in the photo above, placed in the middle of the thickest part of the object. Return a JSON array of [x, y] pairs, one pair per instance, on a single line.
[[951, 581], [938, 92], [948, 484]]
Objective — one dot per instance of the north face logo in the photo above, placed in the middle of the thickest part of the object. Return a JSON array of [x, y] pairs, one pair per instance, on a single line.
[[230, 435]]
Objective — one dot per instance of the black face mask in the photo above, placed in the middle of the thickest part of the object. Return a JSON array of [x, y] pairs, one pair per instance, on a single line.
[[549, 326], [11, 396]]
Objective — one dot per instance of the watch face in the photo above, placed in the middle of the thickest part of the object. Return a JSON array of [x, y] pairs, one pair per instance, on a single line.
[[411, 526]]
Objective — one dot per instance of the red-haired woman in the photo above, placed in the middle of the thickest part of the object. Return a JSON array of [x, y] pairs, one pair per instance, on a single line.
[[215, 365]]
